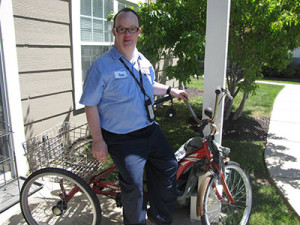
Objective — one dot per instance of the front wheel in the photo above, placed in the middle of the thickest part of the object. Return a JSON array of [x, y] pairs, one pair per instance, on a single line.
[[57, 196], [217, 208]]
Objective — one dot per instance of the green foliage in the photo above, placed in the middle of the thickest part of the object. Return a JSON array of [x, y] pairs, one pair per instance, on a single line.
[[262, 32], [292, 71], [176, 26]]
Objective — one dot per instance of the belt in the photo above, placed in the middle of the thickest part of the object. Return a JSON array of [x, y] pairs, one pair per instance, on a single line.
[[139, 131], [142, 130]]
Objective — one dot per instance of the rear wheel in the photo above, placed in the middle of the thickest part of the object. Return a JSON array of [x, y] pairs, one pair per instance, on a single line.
[[217, 208], [43, 199]]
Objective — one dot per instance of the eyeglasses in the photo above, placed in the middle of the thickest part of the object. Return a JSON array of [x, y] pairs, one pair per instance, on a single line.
[[131, 30]]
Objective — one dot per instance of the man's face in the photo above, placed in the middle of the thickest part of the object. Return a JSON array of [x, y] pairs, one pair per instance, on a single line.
[[125, 42]]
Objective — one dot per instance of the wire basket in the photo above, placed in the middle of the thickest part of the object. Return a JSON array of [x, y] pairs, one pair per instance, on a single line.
[[64, 146]]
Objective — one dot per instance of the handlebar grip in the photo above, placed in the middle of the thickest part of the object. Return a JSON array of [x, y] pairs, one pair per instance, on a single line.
[[163, 99], [218, 90]]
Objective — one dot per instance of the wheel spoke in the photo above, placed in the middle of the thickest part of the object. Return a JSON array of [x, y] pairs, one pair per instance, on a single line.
[[222, 211], [43, 199]]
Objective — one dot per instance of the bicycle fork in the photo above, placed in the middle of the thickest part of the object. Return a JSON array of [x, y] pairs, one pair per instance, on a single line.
[[203, 187]]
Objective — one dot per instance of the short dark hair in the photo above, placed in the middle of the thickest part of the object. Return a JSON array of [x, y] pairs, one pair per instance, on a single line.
[[127, 10]]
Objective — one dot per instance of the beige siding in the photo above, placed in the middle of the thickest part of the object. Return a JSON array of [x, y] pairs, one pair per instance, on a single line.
[[41, 59], [40, 84], [37, 109], [160, 68], [43, 40], [52, 10], [32, 130], [45, 33]]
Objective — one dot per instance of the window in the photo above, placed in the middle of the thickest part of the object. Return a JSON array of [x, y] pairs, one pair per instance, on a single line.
[[95, 30], [91, 34], [94, 26]]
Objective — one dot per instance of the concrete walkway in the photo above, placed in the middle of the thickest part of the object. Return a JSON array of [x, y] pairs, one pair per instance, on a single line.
[[282, 154], [111, 215]]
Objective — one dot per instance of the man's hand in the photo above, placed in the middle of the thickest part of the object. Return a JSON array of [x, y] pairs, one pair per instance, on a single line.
[[160, 89], [100, 150], [180, 94]]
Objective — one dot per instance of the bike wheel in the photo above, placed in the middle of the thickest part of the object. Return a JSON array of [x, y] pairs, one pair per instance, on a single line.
[[43, 199], [81, 150], [217, 208]]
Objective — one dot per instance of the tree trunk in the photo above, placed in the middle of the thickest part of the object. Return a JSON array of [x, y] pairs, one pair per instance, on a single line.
[[228, 108], [240, 109]]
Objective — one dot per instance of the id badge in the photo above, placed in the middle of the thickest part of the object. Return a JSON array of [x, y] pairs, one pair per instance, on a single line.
[[149, 109]]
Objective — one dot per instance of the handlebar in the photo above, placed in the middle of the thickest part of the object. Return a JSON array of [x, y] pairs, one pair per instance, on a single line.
[[163, 99], [227, 92], [212, 114]]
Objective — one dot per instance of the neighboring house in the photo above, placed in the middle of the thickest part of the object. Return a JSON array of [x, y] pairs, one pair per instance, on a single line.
[[46, 47], [296, 54]]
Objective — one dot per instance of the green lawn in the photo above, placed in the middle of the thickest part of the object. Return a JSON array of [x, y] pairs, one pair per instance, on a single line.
[[261, 104], [283, 81], [268, 206]]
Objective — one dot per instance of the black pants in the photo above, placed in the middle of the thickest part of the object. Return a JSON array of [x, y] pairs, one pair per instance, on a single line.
[[146, 148]]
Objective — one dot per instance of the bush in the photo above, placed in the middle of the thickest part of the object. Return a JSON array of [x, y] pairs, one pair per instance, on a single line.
[[291, 71]]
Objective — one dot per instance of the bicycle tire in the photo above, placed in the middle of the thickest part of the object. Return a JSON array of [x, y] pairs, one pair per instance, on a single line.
[[216, 211], [201, 194], [41, 202], [80, 149]]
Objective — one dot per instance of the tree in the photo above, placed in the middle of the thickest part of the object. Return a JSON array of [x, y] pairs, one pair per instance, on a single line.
[[174, 27], [262, 32]]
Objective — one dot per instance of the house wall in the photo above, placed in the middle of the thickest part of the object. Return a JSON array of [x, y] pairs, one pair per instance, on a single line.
[[296, 53], [43, 39], [160, 68]]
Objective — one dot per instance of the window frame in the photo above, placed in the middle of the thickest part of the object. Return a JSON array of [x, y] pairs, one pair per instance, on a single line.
[[77, 44]]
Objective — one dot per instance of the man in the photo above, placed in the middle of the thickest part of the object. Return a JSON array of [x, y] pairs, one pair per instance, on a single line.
[[118, 95]]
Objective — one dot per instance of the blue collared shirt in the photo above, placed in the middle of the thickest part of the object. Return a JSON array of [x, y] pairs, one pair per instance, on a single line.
[[119, 99]]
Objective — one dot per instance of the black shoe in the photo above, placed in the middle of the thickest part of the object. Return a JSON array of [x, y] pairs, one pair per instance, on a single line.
[[156, 219]]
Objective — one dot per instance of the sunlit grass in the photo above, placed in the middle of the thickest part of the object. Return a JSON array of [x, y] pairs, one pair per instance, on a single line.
[[283, 81], [259, 104]]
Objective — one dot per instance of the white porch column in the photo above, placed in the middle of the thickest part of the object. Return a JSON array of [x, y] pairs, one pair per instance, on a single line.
[[217, 28]]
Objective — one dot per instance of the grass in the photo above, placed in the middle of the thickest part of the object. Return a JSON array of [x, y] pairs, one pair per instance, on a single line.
[[283, 81], [258, 105], [268, 205], [261, 103]]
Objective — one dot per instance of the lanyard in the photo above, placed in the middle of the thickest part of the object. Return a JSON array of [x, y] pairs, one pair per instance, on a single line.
[[140, 83]]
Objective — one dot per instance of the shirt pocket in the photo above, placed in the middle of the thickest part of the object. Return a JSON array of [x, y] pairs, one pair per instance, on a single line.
[[120, 89]]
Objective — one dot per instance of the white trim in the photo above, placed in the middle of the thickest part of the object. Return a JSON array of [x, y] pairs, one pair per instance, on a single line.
[[76, 46], [13, 84], [136, 2]]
